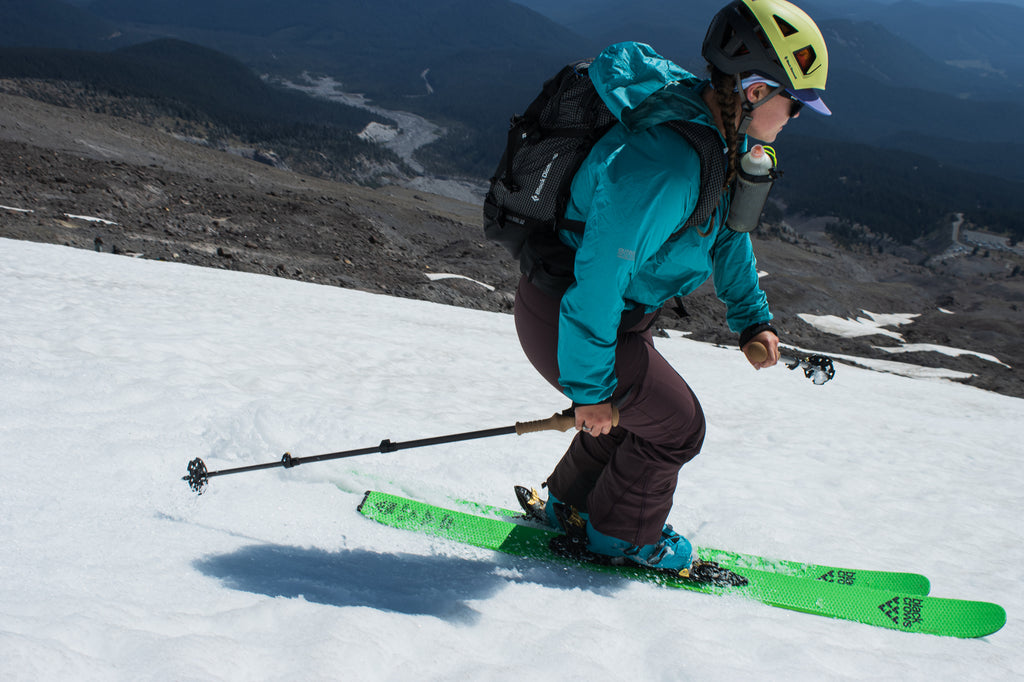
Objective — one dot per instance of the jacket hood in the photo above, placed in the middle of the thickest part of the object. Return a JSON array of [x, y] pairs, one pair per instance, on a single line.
[[643, 89]]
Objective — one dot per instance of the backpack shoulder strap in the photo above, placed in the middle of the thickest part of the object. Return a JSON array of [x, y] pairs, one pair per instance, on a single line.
[[713, 166]]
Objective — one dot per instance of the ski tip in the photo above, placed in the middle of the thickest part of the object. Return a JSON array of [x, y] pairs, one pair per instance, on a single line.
[[988, 618], [998, 619]]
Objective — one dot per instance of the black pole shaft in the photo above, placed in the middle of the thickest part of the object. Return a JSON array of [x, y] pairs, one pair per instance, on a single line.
[[385, 446], [198, 475]]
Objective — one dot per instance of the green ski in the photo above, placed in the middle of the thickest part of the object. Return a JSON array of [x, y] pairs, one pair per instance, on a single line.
[[908, 583], [883, 608]]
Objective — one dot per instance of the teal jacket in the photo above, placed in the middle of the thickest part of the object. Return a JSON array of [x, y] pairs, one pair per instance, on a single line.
[[634, 191]]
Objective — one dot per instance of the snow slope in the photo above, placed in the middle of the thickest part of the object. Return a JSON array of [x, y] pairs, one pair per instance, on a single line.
[[116, 372]]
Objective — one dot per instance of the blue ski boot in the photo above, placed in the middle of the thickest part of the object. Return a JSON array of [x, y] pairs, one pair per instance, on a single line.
[[672, 553]]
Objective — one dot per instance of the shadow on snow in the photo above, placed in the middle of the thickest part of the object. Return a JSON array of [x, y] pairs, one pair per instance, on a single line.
[[436, 586]]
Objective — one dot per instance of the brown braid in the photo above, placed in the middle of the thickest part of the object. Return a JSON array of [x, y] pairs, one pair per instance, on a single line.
[[728, 104]]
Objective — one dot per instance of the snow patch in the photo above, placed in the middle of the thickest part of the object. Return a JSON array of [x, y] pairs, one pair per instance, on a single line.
[[378, 132], [871, 325], [944, 350], [89, 219], [437, 276]]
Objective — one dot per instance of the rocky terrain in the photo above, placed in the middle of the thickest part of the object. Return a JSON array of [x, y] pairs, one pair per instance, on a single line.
[[97, 182]]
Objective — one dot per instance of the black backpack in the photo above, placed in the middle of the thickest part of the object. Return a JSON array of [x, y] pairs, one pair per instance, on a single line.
[[525, 206]]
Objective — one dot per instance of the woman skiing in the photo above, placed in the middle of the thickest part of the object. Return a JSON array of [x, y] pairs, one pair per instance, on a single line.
[[636, 188]]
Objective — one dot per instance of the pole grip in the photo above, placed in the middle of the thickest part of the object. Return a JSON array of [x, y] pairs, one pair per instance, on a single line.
[[560, 421], [756, 351]]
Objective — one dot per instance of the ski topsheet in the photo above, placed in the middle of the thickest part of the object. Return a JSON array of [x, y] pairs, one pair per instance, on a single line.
[[891, 609], [909, 583]]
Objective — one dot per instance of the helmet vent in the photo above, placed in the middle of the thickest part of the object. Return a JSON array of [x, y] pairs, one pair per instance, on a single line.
[[806, 58], [784, 26]]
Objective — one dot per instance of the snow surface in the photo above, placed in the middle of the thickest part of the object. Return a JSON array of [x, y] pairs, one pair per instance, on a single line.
[[116, 372]]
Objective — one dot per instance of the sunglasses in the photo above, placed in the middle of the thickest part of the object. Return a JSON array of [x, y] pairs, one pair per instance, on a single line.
[[795, 105]]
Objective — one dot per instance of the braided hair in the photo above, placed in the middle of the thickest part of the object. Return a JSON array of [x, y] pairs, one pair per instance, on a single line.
[[728, 100]]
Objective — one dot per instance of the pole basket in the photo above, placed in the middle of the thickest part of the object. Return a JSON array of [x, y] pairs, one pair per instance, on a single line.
[[197, 478]]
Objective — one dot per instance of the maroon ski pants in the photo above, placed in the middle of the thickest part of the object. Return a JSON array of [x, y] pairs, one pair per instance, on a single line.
[[626, 479]]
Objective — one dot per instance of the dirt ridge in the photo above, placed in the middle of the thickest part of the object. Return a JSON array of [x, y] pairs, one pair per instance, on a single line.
[[99, 182]]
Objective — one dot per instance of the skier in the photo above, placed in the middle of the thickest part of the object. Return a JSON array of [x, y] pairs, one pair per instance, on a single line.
[[639, 184]]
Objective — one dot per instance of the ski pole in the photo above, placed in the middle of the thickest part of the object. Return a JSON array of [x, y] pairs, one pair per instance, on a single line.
[[198, 475], [817, 368]]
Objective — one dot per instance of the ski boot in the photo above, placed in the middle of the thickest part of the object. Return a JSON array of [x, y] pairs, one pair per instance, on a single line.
[[672, 555]]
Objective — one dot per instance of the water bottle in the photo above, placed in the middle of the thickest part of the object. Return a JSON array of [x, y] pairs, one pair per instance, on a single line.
[[753, 182]]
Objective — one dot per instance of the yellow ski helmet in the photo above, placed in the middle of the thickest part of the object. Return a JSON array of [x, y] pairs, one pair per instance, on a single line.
[[774, 38]]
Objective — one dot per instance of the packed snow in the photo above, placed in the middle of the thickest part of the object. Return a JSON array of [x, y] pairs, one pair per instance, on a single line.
[[116, 372]]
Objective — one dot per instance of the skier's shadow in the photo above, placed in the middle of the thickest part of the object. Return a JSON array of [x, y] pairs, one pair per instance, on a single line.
[[436, 586]]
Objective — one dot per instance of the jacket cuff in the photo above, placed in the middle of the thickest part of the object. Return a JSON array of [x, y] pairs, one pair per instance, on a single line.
[[599, 402], [753, 330]]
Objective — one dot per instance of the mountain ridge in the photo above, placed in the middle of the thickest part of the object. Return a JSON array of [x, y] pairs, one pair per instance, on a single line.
[[382, 246], [320, 137], [98, 182], [383, 51]]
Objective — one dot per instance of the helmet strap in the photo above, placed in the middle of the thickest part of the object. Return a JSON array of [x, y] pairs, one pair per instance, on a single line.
[[748, 106], [748, 117]]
